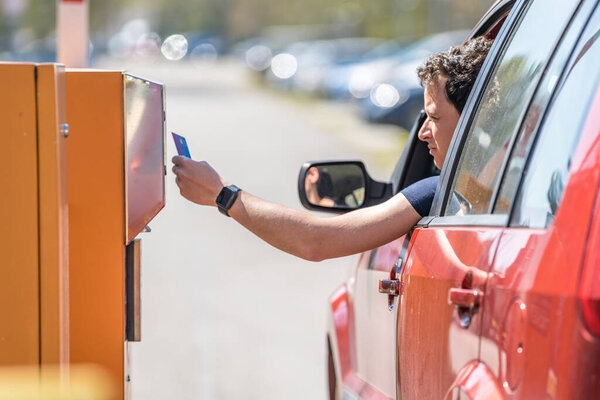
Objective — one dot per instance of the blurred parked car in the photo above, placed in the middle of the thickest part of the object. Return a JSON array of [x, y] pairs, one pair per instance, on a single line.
[[365, 77], [258, 51], [204, 45], [392, 103], [500, 298], [335, 83], [393, 95], [306, 62]]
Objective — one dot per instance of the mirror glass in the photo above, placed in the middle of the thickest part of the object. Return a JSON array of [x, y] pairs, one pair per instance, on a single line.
[[335, 186]]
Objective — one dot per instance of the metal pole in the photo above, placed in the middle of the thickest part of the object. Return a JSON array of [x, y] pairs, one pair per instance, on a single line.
[[72, 32]]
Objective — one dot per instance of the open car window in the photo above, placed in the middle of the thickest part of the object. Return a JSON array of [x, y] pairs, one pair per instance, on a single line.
[[415, 162]]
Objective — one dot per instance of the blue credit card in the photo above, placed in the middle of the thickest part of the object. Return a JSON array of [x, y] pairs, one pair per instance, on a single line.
[[181, 145]]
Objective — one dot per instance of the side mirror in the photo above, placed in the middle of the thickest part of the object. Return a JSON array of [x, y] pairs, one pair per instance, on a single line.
[[339, 186]]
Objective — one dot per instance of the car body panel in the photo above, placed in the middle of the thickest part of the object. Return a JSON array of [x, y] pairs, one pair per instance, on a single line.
[[475, 381], [375, 321], [342, 337], [440, 259]]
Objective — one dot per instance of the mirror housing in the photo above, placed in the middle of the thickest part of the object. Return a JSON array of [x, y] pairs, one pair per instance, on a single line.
[[348, 176]]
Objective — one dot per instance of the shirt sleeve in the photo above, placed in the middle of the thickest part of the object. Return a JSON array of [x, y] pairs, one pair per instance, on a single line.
[[420, 194]]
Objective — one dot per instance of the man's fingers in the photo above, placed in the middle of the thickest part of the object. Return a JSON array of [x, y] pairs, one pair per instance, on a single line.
[[178, 171], [179, 160]]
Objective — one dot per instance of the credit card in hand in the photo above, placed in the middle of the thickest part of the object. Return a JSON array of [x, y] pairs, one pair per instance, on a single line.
[[181, 145]]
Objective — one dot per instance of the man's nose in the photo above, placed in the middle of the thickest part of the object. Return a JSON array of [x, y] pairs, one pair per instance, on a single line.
[[424, 132]]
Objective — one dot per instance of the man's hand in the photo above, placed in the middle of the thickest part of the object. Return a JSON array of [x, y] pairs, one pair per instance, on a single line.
[[197, 180]]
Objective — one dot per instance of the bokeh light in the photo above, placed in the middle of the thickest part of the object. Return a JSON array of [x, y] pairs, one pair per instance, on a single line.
[[126, 41], [174, 47], [361, 83], [204, 54], [147, 46], [284, 65], [259, 57], [120, 45], [385, 95]]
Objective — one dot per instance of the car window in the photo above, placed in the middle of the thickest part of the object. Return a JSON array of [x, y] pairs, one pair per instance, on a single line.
[[535, 112], [504, 103], [548, 170]]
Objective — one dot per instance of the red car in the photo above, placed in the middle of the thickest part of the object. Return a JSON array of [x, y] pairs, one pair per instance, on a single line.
[[496, 294]]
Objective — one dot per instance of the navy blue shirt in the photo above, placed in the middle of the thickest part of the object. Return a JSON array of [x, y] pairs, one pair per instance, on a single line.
[[420, 194]]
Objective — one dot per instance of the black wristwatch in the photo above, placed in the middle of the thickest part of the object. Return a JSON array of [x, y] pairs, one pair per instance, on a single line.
[[226, 198]]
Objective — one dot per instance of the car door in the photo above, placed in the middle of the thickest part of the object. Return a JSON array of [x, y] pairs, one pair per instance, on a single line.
[[535, 339], [451, 254]]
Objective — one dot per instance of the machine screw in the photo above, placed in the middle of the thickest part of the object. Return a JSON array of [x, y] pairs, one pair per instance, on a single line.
[[64, 130]]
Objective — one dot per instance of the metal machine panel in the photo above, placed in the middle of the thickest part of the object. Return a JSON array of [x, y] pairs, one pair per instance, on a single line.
[[144, 135], [53, 215], [133, 291], [19, 244], [95, 168]]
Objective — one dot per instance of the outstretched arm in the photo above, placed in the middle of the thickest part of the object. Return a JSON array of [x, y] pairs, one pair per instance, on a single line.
[[298, 232]]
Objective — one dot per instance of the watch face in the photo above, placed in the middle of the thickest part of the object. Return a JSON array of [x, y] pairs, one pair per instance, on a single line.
[[227, 196]]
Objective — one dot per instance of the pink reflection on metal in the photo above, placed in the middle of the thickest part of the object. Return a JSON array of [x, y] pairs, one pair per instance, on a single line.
[[144, 153]]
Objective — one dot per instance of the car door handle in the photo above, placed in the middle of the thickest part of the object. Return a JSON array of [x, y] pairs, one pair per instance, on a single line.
[[467, 302], [392, 287], [468, 298]]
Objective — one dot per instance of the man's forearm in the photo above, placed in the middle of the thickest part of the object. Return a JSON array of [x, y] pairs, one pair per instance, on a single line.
[[312, 238], [287, 229]]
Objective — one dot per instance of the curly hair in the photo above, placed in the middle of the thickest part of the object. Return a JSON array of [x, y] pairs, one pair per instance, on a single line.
[[460, 65]]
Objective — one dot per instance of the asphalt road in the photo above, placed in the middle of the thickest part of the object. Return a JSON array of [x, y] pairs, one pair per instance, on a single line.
[[225, 315]]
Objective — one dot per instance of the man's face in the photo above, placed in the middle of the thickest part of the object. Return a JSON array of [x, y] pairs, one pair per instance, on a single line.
[[442, 117]]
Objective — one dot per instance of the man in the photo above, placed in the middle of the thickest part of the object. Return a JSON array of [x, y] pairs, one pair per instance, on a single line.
[[447, 78]]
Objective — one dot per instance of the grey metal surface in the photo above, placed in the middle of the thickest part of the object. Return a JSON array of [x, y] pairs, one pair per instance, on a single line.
[[144, 135]]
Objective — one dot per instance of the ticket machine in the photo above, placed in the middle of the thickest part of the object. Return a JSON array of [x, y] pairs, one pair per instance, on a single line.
[[83, 175]]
